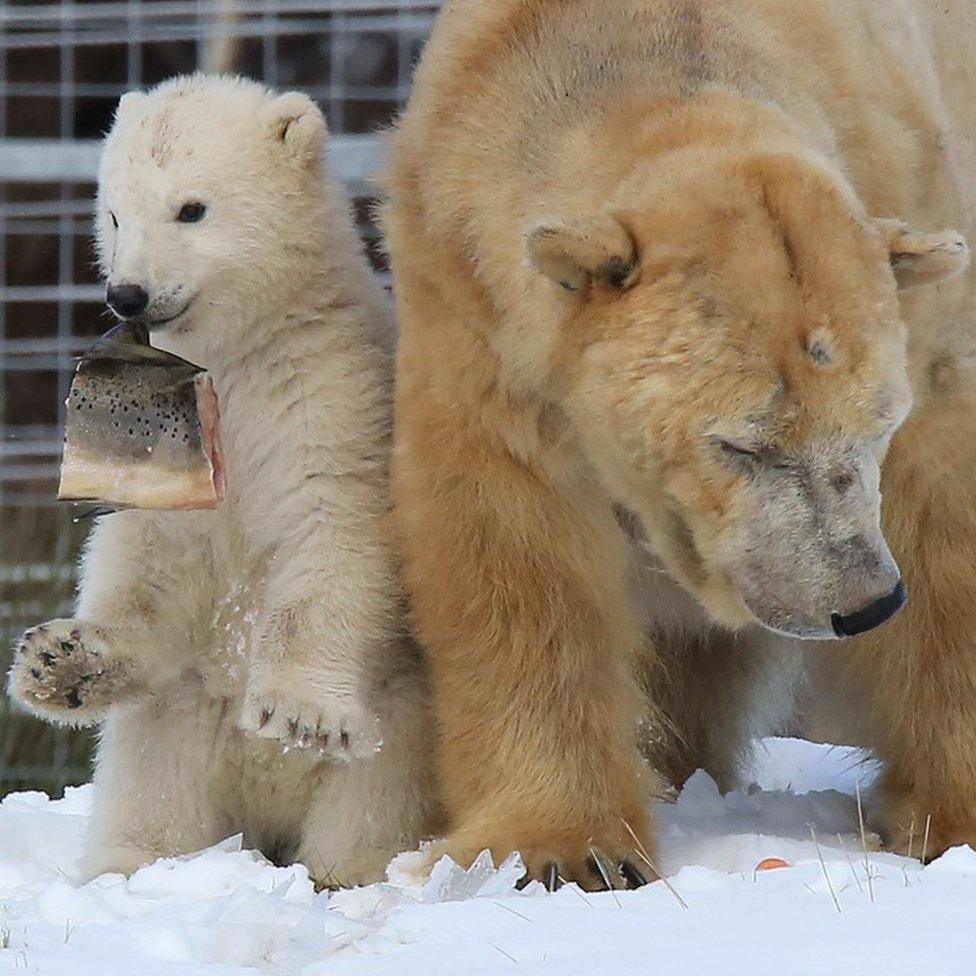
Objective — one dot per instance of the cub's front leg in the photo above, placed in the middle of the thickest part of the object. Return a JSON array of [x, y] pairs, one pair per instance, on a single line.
[[316, 511], [308, 684], [329, 613], [141, 576]]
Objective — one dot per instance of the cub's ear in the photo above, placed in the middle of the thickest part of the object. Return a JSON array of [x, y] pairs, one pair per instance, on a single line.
[[296, 122], [127, 103], [577, 254], [920, 259]]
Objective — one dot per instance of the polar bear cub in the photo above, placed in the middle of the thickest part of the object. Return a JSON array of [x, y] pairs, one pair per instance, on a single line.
[[247, 662]]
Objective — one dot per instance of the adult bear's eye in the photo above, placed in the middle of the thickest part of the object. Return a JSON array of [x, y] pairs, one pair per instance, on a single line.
[[738, 452], [191, 213]]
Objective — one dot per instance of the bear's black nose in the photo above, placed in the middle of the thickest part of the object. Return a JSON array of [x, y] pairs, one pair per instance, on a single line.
[[127, 301], [873, 615]]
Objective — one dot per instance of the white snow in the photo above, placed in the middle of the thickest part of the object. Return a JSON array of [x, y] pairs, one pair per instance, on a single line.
[[227, 912]]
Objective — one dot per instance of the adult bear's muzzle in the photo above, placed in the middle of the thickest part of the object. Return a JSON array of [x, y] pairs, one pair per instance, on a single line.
[[871, 616]]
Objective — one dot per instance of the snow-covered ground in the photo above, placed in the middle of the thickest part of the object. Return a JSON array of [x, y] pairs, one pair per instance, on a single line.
[[227, 912]]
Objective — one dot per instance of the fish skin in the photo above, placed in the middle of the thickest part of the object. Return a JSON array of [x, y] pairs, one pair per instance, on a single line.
[[141, 428], [128, 342]]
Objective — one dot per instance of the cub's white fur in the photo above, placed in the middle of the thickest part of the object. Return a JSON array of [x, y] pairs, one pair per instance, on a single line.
[[247, 662]]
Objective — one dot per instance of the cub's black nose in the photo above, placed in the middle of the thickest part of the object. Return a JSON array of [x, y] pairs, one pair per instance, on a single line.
[[873, 615], [127, 301]]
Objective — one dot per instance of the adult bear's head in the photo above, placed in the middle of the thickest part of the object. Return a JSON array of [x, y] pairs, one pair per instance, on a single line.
[[730, 353]]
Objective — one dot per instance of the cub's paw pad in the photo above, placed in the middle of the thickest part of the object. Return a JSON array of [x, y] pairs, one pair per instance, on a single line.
[[335, 729], [60, 671]]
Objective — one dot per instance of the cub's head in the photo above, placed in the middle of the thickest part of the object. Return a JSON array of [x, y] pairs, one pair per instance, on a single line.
[[731, 356], [208, 193]]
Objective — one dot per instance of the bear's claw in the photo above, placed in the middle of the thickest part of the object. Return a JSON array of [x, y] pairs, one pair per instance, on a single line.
[[334, 729], [604, 872], [551, 878], [591, 861], [634, 877]]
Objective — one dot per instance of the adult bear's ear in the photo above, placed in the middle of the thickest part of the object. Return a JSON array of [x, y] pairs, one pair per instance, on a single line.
[[297, 123], [921, 259], [578, 254]]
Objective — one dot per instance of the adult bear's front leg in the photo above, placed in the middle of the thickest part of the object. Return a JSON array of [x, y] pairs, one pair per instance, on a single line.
[[520, 591], [912, 683]]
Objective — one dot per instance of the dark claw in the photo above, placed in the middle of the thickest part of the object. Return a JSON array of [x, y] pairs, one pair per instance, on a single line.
[[344, 739], [265, 717], [323, 740], [630, 874], [73, 698], [292, 724], [550, 877], [599, 869]]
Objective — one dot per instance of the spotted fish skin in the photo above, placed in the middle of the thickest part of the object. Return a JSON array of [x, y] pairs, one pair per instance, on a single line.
[[142, 428]]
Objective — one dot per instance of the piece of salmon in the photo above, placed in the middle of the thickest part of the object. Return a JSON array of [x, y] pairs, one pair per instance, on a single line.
[[142, 428]]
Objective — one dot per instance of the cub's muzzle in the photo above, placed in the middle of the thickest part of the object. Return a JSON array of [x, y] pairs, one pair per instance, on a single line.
[[127, 301]]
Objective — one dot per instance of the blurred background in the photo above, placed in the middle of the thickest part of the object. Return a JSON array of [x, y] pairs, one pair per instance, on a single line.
[[63, 67]]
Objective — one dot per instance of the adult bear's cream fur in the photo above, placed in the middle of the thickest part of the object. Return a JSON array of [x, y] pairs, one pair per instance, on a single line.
[[646, 255]]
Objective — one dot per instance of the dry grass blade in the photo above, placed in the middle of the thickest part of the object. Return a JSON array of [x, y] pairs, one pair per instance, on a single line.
[[823, 867], [507, 955], [864, 841], [576, 889], [602, 871], [646, 858], [911, 845], [925, 842], [850, 863], [514, 911]]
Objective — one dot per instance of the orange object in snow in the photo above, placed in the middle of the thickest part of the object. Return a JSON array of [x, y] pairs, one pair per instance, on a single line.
[[772, 864]]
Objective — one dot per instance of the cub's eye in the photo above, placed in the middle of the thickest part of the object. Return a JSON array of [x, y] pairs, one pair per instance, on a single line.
[[115, 220], [191, 213]]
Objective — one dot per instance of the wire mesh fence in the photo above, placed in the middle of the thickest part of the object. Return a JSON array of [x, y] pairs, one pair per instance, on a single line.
[[63, 67]]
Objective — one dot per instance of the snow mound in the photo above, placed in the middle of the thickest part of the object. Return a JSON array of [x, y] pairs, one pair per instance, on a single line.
[[228, 912]]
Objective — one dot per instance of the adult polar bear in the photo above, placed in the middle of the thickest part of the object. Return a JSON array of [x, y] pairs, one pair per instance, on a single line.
[[649, 316]]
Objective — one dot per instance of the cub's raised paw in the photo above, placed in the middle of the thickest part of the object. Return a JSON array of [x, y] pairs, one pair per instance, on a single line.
[[62, 671], [332, 726]]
